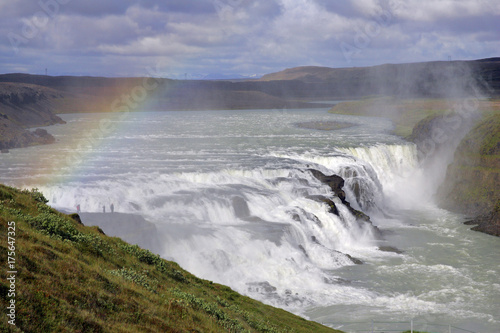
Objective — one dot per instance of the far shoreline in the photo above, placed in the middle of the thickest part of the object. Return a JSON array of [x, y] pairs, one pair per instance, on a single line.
[[328, 125]]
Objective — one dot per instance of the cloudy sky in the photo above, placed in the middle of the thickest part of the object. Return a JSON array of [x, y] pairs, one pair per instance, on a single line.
[[189, 38]]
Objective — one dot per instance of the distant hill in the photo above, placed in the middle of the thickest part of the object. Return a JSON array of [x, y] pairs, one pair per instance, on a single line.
[[101, 94], [425, 79], [32, 100], [28, 101], [291, 88]]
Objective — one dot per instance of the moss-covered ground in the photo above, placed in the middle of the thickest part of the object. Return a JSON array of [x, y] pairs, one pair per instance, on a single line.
[[473, 179]]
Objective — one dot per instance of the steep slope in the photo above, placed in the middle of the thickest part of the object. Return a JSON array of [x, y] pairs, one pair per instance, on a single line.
[[23, 106], [473, 179], [65, 277]]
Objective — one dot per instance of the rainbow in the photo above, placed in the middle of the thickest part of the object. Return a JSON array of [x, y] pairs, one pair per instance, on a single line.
[[113, 110]]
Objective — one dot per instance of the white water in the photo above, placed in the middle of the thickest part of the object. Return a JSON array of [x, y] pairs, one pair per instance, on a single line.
[[230, 194]]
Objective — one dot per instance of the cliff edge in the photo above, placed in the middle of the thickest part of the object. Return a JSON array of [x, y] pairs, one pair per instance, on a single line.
[[23, 106], [473, 178]]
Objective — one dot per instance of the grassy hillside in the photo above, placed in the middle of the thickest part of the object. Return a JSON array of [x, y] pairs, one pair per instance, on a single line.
[[72, 278], [473, 179]]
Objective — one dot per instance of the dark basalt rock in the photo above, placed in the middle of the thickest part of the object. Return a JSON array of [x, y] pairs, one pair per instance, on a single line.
[[336, 183], [333, 208], [45, 137], [240, 207], [354, 260], [263, 287], [488, 223], [76, 217], [336, 280], [390, 249], [242, 211], [296, 217], [302, 248], [24, 106]]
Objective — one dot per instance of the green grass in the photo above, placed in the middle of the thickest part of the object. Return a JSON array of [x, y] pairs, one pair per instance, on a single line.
[[72, 278], [475, 172]]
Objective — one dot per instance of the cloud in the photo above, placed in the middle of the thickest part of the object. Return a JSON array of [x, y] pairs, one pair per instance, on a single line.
[[243, 36], [434, 11]]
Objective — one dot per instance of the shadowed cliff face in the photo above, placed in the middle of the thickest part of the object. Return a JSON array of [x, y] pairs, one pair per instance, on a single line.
[[14, 136], [23, 106], [488, 223], [29, 105], [473, 178]]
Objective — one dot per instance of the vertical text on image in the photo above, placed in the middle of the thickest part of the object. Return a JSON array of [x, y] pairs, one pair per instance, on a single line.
[[11, 271]]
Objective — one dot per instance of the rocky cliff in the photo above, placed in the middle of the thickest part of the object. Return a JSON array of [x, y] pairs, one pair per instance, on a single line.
[[472, 180], [23, 106]]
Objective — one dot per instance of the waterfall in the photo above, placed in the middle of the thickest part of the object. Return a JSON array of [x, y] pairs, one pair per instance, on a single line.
[[376, 177]]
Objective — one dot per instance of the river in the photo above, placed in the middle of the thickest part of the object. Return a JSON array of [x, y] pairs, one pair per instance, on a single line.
[[233, 201]]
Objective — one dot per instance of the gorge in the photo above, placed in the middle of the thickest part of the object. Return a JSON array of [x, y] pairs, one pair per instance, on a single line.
[[328, 223]]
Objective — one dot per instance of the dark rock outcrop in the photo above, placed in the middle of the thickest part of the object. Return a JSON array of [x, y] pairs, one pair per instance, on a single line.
[[15, 136], [336, 183], [488, 223], [76, 218], [44, 136], [333, 208], [23, 106]]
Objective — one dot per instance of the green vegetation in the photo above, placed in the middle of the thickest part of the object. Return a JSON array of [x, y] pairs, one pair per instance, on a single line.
[[472, 180], [72, 278]]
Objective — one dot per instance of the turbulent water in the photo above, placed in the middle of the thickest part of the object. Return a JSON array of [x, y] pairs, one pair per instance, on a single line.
[[233, 202]]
